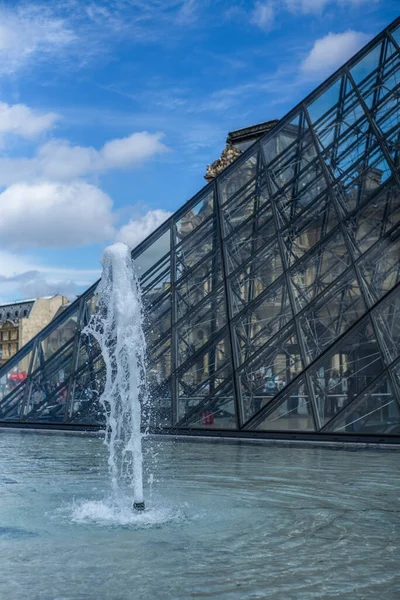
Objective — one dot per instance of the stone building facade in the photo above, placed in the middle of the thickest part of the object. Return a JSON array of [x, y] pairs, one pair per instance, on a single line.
[[21, 321]]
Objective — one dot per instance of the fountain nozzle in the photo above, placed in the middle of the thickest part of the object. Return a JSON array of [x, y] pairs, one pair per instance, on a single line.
[[138, 506]]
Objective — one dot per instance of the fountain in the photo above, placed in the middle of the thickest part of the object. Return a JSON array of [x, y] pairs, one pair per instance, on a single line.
[[117, 327]]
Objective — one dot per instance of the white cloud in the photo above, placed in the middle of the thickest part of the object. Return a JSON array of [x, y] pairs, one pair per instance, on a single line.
[[30, 31], [138, 229], [263, 15], [54, 215], [331, 51], [23, 277], [23, 121], [57, 160]]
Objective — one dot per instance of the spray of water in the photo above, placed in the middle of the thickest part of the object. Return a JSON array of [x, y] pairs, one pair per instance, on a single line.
[[117, 327]]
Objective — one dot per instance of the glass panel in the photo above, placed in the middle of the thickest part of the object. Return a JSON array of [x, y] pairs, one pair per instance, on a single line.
[[157, 280], [381, 267], [325, 102], [159, 359], [376, 218], [249, 238], [387, 317], [157, 321], [293, 413], [244, 206], [259, 274], [332, 128], [300, 192], [85, 407], [396, 35], [203, 377], [238, 176], [10, 405], [280, 147], [194, 249], [200, 326], [309, 229], [346, 371], [366, 64], [313, 275], [331, 315], [60, 336], [293, 163], [149, 257], [375, 412], [193, 218], [199, 284], [15, 376], [91, 305], [217, 411], [269, 372], [45, 403], [362, 180], [254, 328], [377, 87]]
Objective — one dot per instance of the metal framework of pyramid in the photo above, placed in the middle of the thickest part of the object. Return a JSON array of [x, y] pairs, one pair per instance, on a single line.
[[272, 297]]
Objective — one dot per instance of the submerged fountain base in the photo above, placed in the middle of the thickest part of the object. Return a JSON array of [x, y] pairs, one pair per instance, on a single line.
[[138, 506]]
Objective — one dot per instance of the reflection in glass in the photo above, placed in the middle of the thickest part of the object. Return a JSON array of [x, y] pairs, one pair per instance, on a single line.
[[293, 413], [375, 411], [346, 371]]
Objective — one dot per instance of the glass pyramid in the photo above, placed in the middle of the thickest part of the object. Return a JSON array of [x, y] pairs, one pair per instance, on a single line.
[[272, 297]]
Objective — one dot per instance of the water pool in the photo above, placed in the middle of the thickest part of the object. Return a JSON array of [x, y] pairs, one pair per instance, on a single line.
[[229, 521]]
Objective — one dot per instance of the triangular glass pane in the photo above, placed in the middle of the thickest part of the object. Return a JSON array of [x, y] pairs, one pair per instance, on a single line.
[[60, 335], [311, 276], [371, 222], [218, 411], [325, 103], [241, 175], [207, 370], [194, 217], [12, 402], [249, 238], [149, 264], [201, 282], [367, 64], [270, 371], [243, 206], [278, 144], [262, 321], [194, 248], [387, 317], [377, 90], [293, 413], [375, 411], [346, 370], [264, 268], [200, 326], [332, 130], [331, 315], [380, 267], [396, 35], [309, 228], [362, 180]]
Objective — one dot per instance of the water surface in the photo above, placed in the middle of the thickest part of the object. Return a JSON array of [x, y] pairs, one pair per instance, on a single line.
[[229, 521]]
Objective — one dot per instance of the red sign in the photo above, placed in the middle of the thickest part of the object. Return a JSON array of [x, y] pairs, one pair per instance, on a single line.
[[17, 376]]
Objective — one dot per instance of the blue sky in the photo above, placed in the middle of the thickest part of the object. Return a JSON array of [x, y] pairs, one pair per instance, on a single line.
[[110, 111]]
